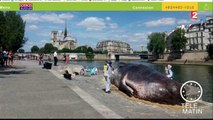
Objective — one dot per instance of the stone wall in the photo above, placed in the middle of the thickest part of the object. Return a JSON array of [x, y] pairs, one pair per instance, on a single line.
[[129, 57], [101, 57], [194, 56]]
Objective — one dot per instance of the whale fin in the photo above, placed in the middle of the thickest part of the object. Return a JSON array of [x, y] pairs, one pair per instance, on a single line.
[[124, 87]]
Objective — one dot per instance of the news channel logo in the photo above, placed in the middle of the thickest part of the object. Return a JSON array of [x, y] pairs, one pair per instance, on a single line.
[[191, 92], [26, 6]]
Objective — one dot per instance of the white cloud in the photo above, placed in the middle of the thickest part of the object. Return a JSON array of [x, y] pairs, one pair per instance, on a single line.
[[29, 44], [31, 17], [66, 16], [160, 22], [97, 24], [113, 25], [43, 34], [50, 17], [93, 24], [33, 27], [136, 40], [139, 37], [108, 18], [183, 21]]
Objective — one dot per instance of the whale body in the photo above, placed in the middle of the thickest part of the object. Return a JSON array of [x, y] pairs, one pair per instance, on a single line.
[[145, 83]]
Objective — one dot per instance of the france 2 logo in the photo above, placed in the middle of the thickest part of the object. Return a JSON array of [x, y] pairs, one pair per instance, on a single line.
[[26, 6], [193, 15]]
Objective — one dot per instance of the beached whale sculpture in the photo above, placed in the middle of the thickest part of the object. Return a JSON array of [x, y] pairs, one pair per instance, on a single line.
[[145, 83]]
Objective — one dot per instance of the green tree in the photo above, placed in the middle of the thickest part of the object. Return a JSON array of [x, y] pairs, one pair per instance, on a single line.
[[179, 40], [41, 50], [156, 44], [2, 24], [21, 50], [90, 50], [81, 49], [34, 49], [12, 36], [90, 56], [105, 52], [49, 48], [65, 50], [210, 50]]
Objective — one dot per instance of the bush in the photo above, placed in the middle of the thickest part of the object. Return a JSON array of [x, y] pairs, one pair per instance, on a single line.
[[90, 56], [210, 50]]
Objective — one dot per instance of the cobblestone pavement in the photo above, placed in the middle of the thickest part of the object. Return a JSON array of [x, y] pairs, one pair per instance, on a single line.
[[41, 93]]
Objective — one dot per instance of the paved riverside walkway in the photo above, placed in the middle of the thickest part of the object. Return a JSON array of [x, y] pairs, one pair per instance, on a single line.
[[28, 91]]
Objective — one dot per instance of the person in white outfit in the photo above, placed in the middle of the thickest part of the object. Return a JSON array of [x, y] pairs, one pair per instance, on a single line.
[[108, 75], [169, 72], [55, 58]]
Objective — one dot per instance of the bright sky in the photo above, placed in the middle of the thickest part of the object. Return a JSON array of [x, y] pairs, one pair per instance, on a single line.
[[91, 27]]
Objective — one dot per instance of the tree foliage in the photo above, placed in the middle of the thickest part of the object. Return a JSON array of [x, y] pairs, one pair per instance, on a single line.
[[81, 49], [41, 50], [156, 44], [49, 48], [101, 52], [179, 40], [90, 50], [65, 50], [2, 24], [12, 29], [34, 49], [90, 56], [21, 50], [87, 50]]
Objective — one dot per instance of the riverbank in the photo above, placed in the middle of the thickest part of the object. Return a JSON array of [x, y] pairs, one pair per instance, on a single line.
[[184, 62], [130, 107], [43, 93]]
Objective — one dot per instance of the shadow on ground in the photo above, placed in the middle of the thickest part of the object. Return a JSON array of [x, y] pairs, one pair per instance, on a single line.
[[5, 71]]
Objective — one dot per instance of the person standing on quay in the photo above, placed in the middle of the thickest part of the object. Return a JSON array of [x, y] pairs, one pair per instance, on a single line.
[[5, 56], [67, 59], [10, 56], [108, 75], [169, 72], [55, 58]]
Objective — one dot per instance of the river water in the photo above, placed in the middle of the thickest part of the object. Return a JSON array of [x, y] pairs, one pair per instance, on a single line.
[[181, 73]]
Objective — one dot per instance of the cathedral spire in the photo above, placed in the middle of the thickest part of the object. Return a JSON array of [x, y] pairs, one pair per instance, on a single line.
[[65, 31]]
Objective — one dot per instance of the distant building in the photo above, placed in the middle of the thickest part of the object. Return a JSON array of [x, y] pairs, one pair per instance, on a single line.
[[114, 47], [62, 39], [199, 35]]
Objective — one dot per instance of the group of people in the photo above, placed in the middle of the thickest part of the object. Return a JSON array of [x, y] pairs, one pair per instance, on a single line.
[[6, 57], [108, 71], [41, 56], [88, 71]]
